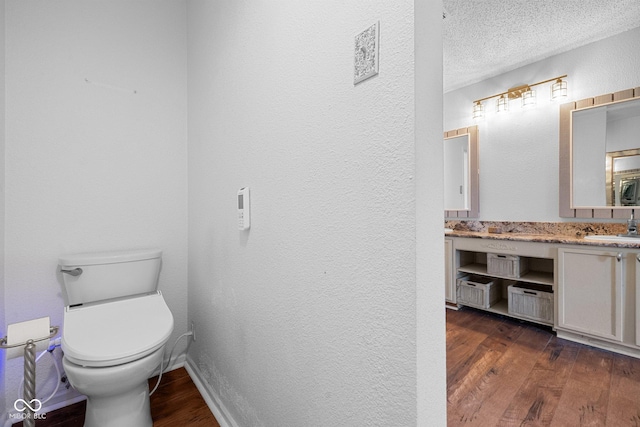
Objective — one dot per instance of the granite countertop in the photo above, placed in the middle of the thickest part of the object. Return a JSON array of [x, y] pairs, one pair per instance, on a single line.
[[563, 233]]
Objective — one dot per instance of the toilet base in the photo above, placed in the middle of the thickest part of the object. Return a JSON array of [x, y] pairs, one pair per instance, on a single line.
[[127, 409], [117, 396]]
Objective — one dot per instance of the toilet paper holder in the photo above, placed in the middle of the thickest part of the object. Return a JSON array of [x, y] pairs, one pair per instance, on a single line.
[[29, 391], [53, 331]]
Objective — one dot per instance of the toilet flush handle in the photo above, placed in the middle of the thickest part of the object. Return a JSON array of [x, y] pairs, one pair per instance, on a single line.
[[74, 272]]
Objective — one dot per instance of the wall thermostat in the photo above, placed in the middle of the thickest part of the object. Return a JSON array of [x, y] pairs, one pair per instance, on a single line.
[[244, 209]]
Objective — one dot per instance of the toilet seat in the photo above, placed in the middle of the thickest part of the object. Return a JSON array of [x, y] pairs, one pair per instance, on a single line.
[[116, 332]]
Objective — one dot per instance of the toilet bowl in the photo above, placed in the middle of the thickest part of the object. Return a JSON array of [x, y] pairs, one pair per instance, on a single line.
[[116, 395], [112, 346]]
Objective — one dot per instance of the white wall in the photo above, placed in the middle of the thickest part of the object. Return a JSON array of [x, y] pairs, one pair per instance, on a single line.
[[95, 147], [429, 169], [310, 317], [2, 191], [519, 152]]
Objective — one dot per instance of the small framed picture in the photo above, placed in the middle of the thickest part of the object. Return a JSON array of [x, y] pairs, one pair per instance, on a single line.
[[366, 53]]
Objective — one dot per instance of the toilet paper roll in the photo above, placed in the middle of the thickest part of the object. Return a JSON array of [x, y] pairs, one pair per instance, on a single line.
[[18, 333]]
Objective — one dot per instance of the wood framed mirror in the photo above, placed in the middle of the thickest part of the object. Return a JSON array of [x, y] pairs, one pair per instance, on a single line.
[[596, 134], [461, 173]]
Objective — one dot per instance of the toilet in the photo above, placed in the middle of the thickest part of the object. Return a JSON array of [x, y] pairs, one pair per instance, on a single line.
[[116, 325]]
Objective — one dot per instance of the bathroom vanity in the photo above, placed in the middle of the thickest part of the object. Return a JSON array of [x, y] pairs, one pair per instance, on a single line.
[[584, 289]]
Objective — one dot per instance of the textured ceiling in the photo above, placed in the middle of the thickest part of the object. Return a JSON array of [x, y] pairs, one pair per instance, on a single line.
[[485, 38]]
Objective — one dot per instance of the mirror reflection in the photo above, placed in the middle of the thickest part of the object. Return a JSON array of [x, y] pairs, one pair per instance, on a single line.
[[461, 180], [606, 155], [623, 178], [456, 173]]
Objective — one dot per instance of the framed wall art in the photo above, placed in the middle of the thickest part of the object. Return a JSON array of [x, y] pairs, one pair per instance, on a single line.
[[366, 53]]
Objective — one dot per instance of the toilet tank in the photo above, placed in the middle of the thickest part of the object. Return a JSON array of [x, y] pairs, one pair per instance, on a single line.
[[91, 277]]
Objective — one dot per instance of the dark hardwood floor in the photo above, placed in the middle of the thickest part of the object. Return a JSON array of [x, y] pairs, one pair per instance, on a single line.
[[501, 372], [177, 402]]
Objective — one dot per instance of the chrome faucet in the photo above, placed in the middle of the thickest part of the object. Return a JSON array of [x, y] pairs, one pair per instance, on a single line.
[[632, 225]]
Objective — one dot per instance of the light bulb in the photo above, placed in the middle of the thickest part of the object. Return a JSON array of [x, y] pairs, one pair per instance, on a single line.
[[502, 104], [529, 98], [559, 89], [478, 110]]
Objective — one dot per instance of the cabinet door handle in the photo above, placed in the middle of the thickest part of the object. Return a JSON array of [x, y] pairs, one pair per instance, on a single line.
[[619, 256], [638, 257]]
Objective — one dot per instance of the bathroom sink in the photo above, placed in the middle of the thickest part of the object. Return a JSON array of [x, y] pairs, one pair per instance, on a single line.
[[448, 230], [613, 238]]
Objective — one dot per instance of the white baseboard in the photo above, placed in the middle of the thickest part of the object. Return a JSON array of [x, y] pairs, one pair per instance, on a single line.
[[210, 397], [599, 343]]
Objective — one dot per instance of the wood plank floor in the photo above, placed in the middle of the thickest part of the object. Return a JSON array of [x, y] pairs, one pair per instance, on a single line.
[[177, 402], [501, 372]]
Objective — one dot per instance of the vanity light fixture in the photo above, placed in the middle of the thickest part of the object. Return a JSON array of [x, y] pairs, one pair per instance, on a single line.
[[525, 92], [559, 89], [528, 98], [502, 104], [478, 110]]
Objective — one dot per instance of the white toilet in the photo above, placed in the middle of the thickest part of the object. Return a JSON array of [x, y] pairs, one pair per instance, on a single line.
[[116, 325]]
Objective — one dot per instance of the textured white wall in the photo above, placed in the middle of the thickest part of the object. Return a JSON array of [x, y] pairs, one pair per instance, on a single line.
[[2, 191], [309, 318], [519, 152], [429, 165], [92, 165]]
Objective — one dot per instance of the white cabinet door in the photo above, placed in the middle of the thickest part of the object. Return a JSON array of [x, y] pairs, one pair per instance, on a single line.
[[637, 290], [449, 282], [590, 292]]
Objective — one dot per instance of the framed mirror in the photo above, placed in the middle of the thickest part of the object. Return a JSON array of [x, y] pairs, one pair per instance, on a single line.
[[600, 156], [461, 173]]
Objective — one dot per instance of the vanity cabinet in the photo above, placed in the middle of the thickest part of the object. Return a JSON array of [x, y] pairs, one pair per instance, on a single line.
[[636, 276], [598, 298], [591, 286], [449, 280], [535, 263], [587, 293]]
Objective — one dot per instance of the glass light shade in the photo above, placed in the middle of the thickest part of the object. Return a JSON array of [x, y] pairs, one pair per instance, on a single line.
[[502, 104], [478, 110], [529, 98], [559, 89]]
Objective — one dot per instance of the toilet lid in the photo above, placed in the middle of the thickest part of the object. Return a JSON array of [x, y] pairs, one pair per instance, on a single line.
[[116, 332]]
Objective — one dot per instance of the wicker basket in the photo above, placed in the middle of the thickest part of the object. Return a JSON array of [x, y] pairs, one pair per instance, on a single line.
[[477, 291], [531, 302], [507, 265]]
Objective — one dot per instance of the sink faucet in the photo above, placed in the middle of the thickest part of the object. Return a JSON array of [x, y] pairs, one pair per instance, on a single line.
[[632, 225]]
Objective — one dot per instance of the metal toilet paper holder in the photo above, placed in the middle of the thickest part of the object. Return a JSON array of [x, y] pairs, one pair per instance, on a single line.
[[53, 330], [29, 394]]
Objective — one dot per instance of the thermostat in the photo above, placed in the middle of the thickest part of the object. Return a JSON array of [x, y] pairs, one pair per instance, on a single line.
[[244, 209]]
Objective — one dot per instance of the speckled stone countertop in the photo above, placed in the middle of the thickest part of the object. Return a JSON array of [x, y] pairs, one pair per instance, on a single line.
[[571, 233]]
